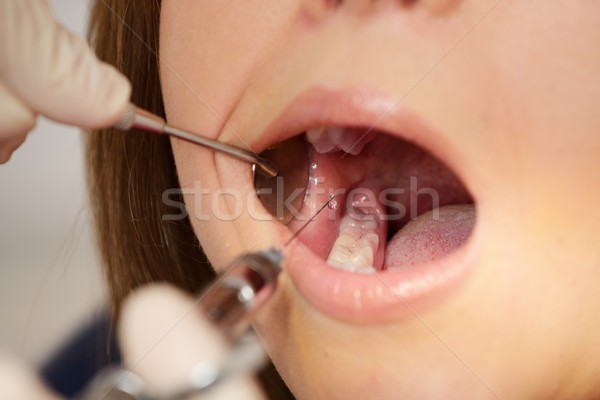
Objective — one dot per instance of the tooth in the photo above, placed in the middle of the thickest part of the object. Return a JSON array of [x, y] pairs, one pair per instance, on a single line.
[[335, 133], [320, 140], [355, 247], [334, 138], [315, 134], [353, 141]]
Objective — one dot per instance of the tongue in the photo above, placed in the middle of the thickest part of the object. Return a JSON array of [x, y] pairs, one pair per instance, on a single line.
[[430, 236]]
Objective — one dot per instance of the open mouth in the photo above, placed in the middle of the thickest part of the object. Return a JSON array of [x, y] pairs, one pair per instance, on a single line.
[[397, 220], [394, 204]]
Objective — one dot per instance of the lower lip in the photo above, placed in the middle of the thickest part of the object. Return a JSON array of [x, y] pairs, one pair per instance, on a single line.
[[382, 297]]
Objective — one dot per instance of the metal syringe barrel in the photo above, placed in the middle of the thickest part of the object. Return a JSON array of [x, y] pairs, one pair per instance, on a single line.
[[231, 301]]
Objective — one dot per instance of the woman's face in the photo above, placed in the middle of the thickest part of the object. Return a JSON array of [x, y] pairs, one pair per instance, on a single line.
[[502, 93]]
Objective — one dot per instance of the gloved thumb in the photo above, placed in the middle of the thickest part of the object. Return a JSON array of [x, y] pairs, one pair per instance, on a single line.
[[54, 71]]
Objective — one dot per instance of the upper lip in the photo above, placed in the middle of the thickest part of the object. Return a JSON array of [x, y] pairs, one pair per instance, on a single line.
[[335, 292], [320, 106]]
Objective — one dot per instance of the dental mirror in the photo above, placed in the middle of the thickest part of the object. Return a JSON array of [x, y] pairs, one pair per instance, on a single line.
[[283, 195]]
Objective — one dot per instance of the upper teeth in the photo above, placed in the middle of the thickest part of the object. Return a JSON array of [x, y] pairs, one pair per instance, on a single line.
[[331, 139]]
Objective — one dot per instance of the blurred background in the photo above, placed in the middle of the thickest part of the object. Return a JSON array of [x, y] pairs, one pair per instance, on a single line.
[[50, 279]]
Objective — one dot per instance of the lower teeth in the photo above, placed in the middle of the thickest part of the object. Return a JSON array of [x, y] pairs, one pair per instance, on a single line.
[[355, 247]]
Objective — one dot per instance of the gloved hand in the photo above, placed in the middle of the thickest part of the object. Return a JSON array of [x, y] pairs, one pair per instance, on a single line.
[[162, 336], [47, 70]]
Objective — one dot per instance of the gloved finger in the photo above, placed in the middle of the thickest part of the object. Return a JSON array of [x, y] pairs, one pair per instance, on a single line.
[[17, 382], [16, 120], [54, 71], [163, 336]]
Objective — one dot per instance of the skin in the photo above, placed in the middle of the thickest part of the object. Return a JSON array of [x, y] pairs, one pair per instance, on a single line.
[[517, 98]]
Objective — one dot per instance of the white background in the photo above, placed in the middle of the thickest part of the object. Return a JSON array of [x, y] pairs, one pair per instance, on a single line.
[[50, 279]]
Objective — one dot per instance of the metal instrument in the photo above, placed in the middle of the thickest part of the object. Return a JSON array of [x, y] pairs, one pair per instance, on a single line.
[[135, 117], [230, 302]]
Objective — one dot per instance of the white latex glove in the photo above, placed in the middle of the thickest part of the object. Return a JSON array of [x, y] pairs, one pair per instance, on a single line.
[[162, 336], [45, 69]]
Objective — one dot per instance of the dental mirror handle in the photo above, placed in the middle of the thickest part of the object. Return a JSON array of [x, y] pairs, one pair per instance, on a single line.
[[135, 117]]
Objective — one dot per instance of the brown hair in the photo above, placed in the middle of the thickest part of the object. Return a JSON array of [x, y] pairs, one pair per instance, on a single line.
[[128, 173]]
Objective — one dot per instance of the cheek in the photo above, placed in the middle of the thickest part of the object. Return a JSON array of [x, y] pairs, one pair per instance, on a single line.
[[220, 211], [546, 89], [524, 88], [207, 55]]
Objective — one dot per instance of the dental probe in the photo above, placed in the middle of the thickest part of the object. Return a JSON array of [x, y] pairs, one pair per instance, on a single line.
[[135, 117], [229, 303]]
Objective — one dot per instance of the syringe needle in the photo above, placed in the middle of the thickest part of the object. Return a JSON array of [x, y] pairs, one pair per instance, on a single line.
[[309, 221]]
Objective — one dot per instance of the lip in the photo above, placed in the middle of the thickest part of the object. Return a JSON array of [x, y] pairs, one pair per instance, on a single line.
[[389, 295]]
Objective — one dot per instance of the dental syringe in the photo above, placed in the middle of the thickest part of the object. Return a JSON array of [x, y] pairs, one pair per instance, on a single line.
[[229, 303]]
